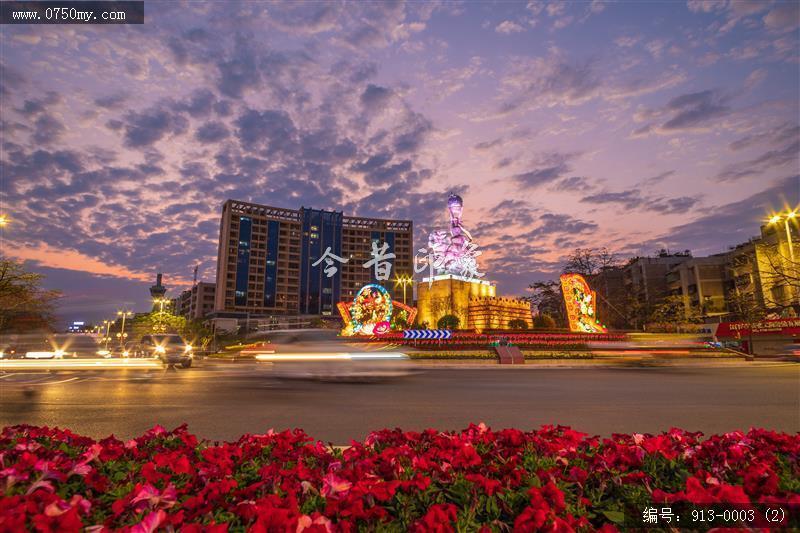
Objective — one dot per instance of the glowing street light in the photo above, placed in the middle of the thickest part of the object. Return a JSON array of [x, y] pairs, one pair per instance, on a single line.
[[786, 217], [403, 281], [161, 302], [122, 335], [3, 220], [107, 337]]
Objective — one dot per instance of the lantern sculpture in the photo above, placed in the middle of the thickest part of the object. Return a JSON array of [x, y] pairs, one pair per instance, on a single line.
[[581, 305], [370, 312]]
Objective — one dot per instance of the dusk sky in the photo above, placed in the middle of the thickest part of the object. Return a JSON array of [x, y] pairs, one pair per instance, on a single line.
[[631, 125]]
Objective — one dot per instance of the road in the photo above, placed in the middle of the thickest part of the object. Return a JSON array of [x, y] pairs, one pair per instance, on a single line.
[[223, 401]]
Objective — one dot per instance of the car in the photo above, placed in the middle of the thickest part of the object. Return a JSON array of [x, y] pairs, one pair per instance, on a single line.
[[169, 348], [792, 349], [12, 351]]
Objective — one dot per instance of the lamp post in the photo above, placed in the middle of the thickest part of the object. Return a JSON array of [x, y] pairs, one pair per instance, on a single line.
[[403, 281], [108, 330], [122, 335], [791, 215]]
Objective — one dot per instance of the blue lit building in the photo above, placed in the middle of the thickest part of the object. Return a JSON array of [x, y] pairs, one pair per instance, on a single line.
[[267, 255]]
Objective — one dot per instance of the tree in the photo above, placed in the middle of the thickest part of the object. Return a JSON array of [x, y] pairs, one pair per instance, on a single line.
[[671, 311], [745, 309], [24, 304], [517, 323], [781, 274], [589, 262], [542, 321], [198, 333], [448, 322], [546, 297]]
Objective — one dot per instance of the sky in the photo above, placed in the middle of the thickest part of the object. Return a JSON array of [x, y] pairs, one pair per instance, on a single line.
[[629, 125]]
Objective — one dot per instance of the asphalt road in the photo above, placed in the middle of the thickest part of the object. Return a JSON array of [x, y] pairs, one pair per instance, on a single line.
[[223, 401]]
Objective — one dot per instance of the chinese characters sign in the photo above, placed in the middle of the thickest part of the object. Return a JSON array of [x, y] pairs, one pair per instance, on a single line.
[[380, 261]]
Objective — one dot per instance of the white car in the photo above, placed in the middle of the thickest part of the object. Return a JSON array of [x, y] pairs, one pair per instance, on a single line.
[[45, 354]]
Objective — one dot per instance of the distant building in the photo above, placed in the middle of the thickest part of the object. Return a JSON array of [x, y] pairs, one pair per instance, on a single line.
[[701, 283], [645, 278], [195, 303], [609, 286], [266, 255]]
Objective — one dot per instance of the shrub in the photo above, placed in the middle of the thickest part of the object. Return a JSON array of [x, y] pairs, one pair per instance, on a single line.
[[543, 322], [448, 322], [517, 323]]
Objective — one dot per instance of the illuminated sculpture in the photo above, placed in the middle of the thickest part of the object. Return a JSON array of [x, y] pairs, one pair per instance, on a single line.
[[370, 312], [581, 304], [455, 253]]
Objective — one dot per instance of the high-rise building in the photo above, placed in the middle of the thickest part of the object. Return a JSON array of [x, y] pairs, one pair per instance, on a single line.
[[276, 261]]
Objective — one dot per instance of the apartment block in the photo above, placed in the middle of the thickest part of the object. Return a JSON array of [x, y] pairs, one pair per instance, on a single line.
[[276, 261]]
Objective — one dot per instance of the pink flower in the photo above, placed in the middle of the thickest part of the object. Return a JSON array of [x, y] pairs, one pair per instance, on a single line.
[[320, 523], [149, 496], [150, 522], [332, 485]]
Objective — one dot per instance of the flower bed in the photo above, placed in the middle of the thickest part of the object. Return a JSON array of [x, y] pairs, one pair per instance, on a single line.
[[478, 479], [488, 355]]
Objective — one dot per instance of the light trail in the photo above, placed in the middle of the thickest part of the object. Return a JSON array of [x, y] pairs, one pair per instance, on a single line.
[[80, 364], [323, 356]]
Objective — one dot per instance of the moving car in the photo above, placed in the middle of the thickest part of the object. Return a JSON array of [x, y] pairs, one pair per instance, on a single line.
[[171, 349], [793, 349], [12, 351], [343, 367]]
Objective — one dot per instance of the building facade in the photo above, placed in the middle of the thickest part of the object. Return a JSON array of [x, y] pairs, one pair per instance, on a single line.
[[644, 278], [764, 273], [609, 286], [701, 282], [276, 261], [195, 303]]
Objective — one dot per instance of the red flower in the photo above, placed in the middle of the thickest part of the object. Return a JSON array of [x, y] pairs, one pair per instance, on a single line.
[[489, 486], [439, 518], [760, 480]]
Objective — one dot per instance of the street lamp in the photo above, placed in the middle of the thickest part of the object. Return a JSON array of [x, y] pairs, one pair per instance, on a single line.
[[161, 302], [107, 338], [122, 335], [403, 281], [786, 217], [3, 220]]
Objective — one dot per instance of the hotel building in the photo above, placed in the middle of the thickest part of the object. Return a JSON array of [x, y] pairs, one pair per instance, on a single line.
[[266, 256]]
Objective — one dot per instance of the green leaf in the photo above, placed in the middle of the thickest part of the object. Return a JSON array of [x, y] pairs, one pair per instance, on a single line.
[[618, 517]]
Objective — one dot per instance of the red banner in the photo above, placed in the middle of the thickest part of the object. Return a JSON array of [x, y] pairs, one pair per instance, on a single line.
[[784, 327]]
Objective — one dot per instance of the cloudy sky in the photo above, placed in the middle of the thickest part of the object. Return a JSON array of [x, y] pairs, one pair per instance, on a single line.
[[632, 125]]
